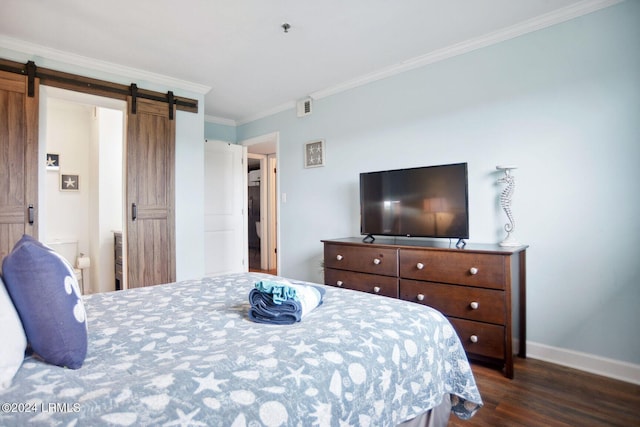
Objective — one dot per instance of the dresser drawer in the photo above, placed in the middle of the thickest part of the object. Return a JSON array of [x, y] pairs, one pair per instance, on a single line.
[[465, 268], [480, 338], [485, 305], [371, 260], [380, 285]]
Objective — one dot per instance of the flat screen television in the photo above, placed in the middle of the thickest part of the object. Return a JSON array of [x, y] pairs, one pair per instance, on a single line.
[[430, 201]]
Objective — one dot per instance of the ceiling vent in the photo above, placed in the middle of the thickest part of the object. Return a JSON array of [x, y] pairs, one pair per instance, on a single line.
[[304, 107]]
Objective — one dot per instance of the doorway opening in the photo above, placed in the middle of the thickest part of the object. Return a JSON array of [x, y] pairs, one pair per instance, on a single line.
[[254, 219], [81, 194], [262, 209]]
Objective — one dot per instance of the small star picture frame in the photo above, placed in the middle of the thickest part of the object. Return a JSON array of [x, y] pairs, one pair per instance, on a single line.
[[69, 182], [314, 154], [53, 162]]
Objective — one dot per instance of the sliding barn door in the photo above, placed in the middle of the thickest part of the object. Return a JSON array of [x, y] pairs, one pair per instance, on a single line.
[[150, 194], [18, 160]]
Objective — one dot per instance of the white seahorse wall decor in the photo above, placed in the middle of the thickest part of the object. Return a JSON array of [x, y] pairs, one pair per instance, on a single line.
[[505, 203]]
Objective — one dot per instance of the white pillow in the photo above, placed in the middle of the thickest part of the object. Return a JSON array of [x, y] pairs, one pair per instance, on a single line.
[[12, 337]]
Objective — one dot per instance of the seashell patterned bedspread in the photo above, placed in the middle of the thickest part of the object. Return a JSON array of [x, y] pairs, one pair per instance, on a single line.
[[186, 354]]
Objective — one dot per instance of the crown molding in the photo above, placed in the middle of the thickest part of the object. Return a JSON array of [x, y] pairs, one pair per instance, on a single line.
[[270, 112], [543, 21], [31, 51], [220, 120]]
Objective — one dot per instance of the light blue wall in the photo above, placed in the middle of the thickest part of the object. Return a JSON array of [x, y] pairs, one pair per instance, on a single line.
[[189, 163], [563, 104], [220, 132]]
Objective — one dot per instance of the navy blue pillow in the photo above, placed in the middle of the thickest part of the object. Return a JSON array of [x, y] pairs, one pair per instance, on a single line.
[[46, 295]]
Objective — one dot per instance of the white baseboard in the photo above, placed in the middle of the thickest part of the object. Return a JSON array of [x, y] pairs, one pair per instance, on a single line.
[[616, 369]]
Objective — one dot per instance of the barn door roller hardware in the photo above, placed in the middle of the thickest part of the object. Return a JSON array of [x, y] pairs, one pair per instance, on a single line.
[[93, 86], [134, 97], [170, 101], [31, 78]]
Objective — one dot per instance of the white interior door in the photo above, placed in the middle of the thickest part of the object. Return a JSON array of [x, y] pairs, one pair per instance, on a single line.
[[225, 225]]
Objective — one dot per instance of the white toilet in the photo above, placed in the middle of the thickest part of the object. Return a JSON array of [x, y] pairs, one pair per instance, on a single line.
[[69, 250]]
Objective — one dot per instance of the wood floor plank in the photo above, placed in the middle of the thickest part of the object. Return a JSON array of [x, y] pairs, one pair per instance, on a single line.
[[549, 395]]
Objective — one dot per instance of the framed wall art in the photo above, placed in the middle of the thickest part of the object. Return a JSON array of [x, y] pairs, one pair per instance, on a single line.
[[314, 153], [53, 162], [69, 182]]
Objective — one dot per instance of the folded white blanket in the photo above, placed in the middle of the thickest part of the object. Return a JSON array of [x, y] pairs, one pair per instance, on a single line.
[[308, 296]]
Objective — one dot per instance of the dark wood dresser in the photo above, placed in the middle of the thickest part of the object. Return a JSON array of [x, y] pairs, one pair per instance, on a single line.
[[480, 288]]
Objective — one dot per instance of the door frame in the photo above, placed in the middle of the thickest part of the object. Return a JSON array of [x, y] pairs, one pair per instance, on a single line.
[[272, 210], [265, 243], [268, 145]]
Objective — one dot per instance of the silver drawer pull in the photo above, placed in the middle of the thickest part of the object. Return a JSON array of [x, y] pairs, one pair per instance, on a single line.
[[420, 297], [339, 283], [473, 338], [473, 270], [376, 289], [420, 266], [339, 257], [376, 261], [474, 305]]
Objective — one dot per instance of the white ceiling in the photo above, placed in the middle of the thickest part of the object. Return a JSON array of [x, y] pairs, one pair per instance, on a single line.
[[239, 51]]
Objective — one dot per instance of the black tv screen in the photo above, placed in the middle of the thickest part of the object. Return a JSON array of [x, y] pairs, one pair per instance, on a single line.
[[429, 201]]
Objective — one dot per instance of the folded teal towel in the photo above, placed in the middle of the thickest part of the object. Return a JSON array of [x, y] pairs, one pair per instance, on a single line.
[[279, 290]]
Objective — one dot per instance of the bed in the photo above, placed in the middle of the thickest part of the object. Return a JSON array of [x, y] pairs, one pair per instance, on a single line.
[[186, 353]]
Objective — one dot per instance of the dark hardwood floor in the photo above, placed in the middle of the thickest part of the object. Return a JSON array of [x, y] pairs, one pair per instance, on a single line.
[[545, 394], [257, 270]]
